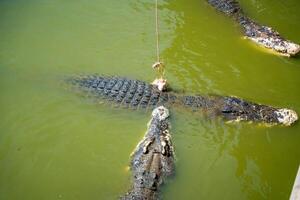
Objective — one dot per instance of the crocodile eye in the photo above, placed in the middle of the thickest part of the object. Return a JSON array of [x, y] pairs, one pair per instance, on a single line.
[[287, 113]]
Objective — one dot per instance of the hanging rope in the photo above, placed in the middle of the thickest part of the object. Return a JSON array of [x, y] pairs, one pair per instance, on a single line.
[[160, 82], [157, 31], [158, 65]]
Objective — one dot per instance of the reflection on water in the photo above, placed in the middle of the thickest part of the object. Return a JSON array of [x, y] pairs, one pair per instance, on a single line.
[[55, 144]]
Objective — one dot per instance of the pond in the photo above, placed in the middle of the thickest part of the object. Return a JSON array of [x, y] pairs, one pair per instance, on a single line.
[[55, 144]]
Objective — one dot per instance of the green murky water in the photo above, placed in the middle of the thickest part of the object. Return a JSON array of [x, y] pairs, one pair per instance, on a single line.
[[55, 144]]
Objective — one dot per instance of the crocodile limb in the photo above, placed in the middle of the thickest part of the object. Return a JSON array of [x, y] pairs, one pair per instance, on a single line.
[[153, 159], [262, 35], [138, 94]]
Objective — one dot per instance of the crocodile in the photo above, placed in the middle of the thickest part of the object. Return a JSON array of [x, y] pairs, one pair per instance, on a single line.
[[153, 159], [139, 94], [262, 35]]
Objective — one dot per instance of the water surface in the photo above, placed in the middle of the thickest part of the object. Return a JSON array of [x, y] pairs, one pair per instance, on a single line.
[[55, 144]]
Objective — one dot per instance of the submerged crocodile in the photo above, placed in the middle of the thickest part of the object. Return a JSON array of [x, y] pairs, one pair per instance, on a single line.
[[139, 94], [262, 35], [153, 159]]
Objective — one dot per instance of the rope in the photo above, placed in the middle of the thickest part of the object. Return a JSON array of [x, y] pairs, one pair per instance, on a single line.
[[157, 31], [158, 65]]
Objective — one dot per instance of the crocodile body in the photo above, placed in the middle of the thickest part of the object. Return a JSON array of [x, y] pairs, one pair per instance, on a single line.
[[153, 159], [139, 94], [262, 35]]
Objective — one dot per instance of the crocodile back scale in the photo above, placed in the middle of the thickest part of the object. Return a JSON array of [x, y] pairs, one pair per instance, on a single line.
[[123, 91], [139, 94]]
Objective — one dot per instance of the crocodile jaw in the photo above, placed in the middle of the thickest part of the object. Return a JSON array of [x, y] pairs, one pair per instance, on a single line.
[[286, 116]]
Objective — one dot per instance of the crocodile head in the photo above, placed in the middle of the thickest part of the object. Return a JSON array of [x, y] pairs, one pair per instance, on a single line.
[[282, 46], [160, 113], [286, 116], [292, 48], [160, 83], [269, 38]]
